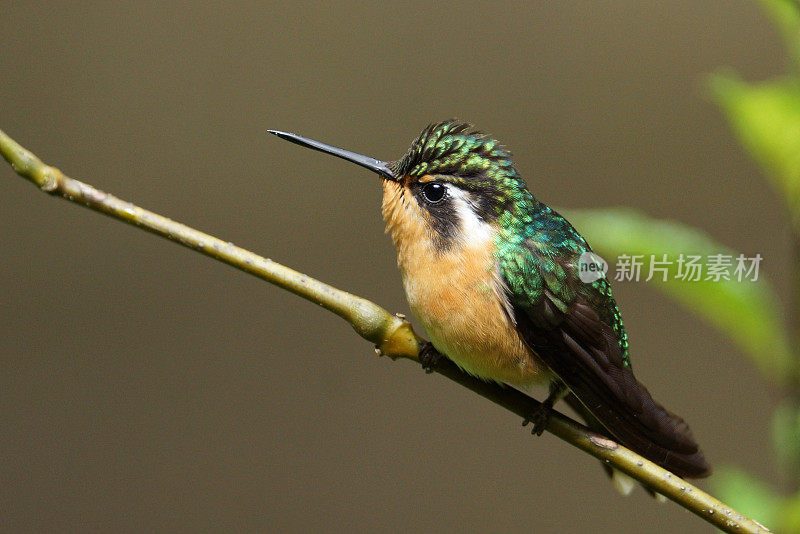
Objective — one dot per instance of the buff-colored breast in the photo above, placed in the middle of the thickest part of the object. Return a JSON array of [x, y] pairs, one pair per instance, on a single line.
[[457, 295]]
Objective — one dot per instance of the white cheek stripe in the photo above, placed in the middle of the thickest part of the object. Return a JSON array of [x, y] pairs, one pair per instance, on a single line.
[[474, 231]]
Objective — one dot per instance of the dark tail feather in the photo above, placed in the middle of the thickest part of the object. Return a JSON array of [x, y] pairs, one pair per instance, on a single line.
[[596, 426], [585, 354]]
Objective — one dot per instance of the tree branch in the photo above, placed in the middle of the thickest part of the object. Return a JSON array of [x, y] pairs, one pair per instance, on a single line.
[[391, 334]]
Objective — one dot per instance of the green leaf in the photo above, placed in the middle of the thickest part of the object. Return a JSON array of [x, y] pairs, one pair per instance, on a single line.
[[789, 522], [786, 16], [786, 435], [748, 495], [747, 311], [766, 117]]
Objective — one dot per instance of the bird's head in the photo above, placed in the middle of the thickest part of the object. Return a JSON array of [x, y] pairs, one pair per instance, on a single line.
[[453, 186]]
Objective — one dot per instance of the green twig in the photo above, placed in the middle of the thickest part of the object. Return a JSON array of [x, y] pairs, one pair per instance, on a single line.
[[391, 335]]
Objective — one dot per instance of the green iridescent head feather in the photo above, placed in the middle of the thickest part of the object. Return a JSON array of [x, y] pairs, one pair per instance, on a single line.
[[454, 148], [468, 158]]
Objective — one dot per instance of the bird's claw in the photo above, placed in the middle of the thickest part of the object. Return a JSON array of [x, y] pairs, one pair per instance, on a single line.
[[540, 415], [539, 418], [429, 357]]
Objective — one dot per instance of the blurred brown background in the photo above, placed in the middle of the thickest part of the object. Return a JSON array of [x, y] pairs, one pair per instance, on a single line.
[[144, 387]]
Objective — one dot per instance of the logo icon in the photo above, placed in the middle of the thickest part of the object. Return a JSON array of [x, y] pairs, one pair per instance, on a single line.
[[591, 267]]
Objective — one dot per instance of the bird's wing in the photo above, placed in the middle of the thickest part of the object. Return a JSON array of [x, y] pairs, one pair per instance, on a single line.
[[574, 327]]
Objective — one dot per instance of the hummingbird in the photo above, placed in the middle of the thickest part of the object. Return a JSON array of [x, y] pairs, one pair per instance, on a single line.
[[493, 276]]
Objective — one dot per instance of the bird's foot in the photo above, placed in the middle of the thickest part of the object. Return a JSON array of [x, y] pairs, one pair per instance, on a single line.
[[429, 357], [539, 417]]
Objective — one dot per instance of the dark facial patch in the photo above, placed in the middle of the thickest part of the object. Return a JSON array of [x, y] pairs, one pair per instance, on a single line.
[[442, 215]]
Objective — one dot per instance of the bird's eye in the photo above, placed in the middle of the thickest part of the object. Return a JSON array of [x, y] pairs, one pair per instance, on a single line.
[[433, 192]]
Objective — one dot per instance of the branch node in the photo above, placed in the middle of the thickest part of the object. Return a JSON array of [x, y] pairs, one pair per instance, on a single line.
[[48, 179], [400, 342]]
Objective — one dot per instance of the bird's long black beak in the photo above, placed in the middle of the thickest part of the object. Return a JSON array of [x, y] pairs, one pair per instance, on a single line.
[[375, 165]]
